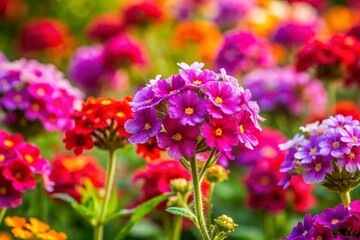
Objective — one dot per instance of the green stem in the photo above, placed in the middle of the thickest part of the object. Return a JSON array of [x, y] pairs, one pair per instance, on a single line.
[[175, 233], [99, 227], [207, 164], [268, 226], [332, 86], [209, 204], [2, 214], [345, 198], [198, 200]]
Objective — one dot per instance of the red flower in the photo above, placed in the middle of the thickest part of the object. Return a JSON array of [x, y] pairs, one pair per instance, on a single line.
[[122, 50], [41, 34], [21, 176], [150, 150], [105, 26], [70, 172], [9, 142], [141, 13], [9, 196], [78, 142]]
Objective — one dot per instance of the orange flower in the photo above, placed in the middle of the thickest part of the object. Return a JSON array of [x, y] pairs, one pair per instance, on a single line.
[[21, 233], [37, 226], [52, 235], [5, 236], [340, 19], [205, 35], [15, 222]]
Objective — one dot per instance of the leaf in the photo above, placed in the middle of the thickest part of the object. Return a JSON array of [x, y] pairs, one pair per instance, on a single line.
[[139, 212], [65, 198], [183, 212]]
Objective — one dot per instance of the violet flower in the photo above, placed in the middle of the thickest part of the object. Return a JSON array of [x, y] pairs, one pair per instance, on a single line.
[[302, 231], [332, 218], [316, 169]]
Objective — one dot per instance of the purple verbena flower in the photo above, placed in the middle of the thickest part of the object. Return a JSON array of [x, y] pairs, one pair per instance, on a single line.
[[144, 125], [290, 161], [187, 107], [310, 150], [351, 160], [332, 218], [339, 121], [181, 140], [144, 98], [332, 144], [167, 87], [350, 135], [316, 169], [302, 231], [197, 78]]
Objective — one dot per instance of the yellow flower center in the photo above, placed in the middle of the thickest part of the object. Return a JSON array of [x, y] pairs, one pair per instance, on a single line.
[[218, 100], [354, 139], [351, 155], [335, 221], [189, 111], [312, 151], [197, 82], [29, 158], [241, 128], [18, 175], [120, 114], [35, 107], [3, 191], [40, 91], [218, 132], [147, 126], [305, 232], [172, 91], [8, 143], [2, 158], [177, 137], [318, 167], [336, 144], [319, 238], [106, 102]]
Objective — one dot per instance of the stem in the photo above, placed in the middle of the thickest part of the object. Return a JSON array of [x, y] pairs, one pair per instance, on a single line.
[[268, 226], [209, 204], [2, 214], [345, 198], [198, 200], [99, 227], [175, 233], [207, 164]]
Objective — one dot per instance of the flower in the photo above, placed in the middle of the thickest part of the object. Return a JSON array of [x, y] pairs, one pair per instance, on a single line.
[[123, 50], [242, 51], [351, 160], [149, 150], [32, 229], [332, 218], [302, 231], [88, 71], [20, 168], [187, 107], [181, 140], [278, 89], [100, 122], [69, 174], [141, 13], [294, 33], [316, 169], [144, 125], [104, 26], [35, 93]]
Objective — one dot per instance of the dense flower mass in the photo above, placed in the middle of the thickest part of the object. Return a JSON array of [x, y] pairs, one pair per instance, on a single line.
[[285, 89], [21, 166], [69, 174], [333, 223], [293, 34], [100, 122], [243, 51], [337, 57], [34, 229], [34, 92], [194, 111], [323, 150]]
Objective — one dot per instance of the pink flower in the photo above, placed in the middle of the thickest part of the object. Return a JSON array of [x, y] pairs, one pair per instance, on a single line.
[[21, 176]]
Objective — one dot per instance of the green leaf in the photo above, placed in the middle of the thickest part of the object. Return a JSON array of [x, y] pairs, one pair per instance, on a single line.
[[65, 198], [140, 212], [183, 212]]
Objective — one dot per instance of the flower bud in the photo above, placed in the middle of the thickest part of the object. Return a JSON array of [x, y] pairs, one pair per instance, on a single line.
[[180, 185], [217, 174], [225, 223]]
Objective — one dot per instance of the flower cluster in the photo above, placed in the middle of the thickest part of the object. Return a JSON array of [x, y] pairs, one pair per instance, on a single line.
[[156, 179], [328, 151], [69, 174], [293, 34], [337, 223], [194, 111], [100, 122], [87, 69], [285, 89], [31, 93], [34, 229], [261, 181], [20, 166], [338, 57], [243, 51]]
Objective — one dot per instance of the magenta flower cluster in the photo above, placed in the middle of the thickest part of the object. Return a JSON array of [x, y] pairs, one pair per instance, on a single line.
[[284, 88], [36, 92], [335, 140], [20, 167], [338, 223], [194, 111]]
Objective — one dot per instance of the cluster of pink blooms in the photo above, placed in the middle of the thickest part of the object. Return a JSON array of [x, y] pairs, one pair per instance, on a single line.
[[21, 166], [31, 91]]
